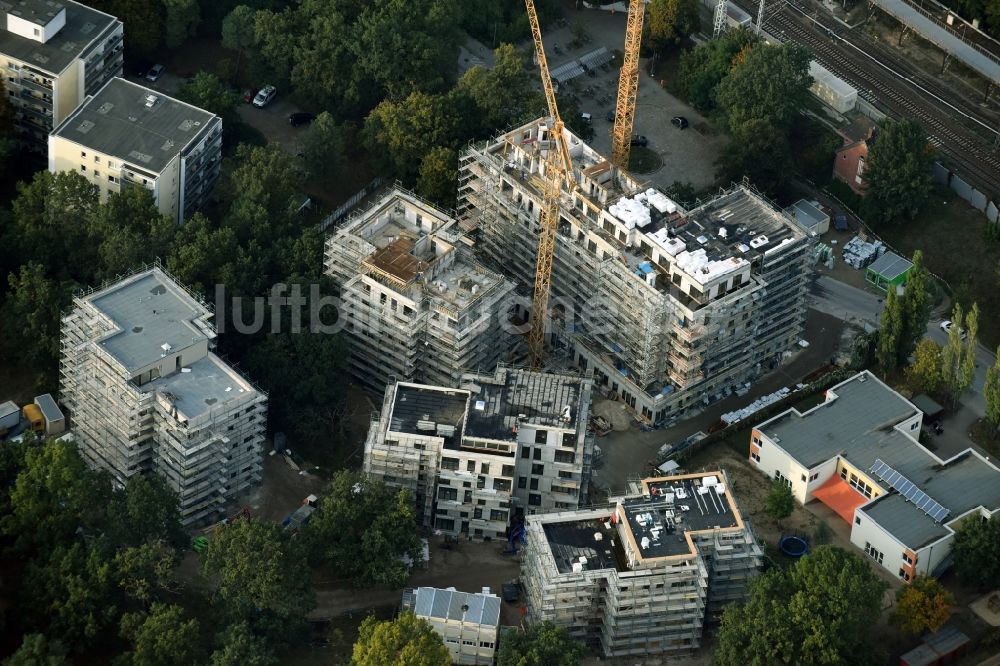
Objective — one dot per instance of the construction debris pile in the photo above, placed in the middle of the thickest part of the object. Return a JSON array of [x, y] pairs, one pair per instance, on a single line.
[[859, 254], [755, 406]]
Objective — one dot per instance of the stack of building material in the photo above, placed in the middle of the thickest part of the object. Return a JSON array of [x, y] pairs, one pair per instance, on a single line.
[[755, 406], [859, 254]]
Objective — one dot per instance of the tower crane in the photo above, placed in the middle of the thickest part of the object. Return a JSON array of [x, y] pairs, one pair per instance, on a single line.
[[558, 168], [628, 86]]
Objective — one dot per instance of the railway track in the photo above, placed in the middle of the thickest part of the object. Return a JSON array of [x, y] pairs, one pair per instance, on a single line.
[[964, 150]]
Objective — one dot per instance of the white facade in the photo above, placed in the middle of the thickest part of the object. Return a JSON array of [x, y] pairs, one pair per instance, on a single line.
[[468, 623]]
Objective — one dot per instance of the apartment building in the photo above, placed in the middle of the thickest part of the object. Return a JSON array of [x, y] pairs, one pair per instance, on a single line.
[[147, 395], [672, 309], [468, 623], [494, 447], [127, 135], [643, 576], [54, 54], [859, 453], [416, 304]]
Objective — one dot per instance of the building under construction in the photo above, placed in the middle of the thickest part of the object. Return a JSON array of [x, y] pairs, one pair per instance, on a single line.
[[670, 308], [476, 455], [643, 576], [416, 304], [146, 393]]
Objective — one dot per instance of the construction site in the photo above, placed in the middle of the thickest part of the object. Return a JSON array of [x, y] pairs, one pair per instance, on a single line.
[[642, 576], [146, 393], [479, 455]]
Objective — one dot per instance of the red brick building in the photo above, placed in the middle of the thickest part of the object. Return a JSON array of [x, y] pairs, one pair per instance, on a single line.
[[850, 161]]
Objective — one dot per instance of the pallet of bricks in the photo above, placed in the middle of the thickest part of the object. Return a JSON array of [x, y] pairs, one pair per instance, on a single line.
[[860, 254]]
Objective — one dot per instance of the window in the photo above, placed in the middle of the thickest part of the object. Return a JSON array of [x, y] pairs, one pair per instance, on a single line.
[[83, 168], [541, 436], [857, 520], [496, 514], [485, 644], [470, 466], [508, 470], [83, 154], [477, 513], [861, 170], [538, 470], [565, 475], [445, 523], [484, 468], [754, 456], [522, 482], [467, 497], [449, 463], [112, 179], [873, 553], [97, 159], [569, 439], [448, 494], [534, 500], [526, 452], [565, 457], [907, 558], [803, 478], [502, 485], [538, 454], [534, 484], [756, 440]]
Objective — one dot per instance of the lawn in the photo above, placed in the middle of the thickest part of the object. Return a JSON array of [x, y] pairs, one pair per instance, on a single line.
[[952, 236]]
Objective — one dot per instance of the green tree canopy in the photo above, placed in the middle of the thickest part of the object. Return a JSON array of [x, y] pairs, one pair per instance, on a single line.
[[323, 149], [238, 32], [780, 501], [400, 134], [37, 650], [670, 21], [206, 91], [30, 318], [128, 231], [897, 172], [503, 93], [145, 512], [405, 641], [890, 333], [439, 176], [922, 606], [991, 393], [180, 21], [364, 530], [759, 151], [238, 646], [916, 305], [974, 549], [820, 611], [162, 636], [705, 66], [924, 374], [770, 84], [541, 645]]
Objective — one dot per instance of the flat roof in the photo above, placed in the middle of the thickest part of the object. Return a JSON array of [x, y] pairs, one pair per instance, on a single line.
[[50, 410], [587, 544], [120, 120], [905, 522], [474, 608], [398, 260], [8, 408], [890, 266], [205, 385], [150, 311], [83, 26], [498, 404], [807, 214], [429, 411]]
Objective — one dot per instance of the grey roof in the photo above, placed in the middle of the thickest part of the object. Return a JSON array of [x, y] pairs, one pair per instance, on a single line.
[[807, 214], [890, 266], [8, 408], [150, 311], [118, 121], [926, 404], [458, 606], [83, 26], [936, 647], [428, 410], [909, 525], [207, 384], [497, 406], [50, 410], [574, 539]]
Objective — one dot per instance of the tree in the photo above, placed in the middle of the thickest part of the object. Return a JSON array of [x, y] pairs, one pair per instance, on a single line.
[[405, 641], [145, 512], [540, 645], [958, 357], [181, 21], [771, 84], [261, 575], [705, 66], [145, 573], [402, 133], [206, 91], [438, 176], [144, 21], [974, 549], [238, 32], [31, 318], [780, 501], [323, 148], [820, 611], [897, 172], [267, 176], [968, 365], [240, 647], [889, 333], [924, 374], [128, 231], [162, 636], [670, 21], [991, 393], [503, 93], [759, 151], [864, 350], [204, 254], [916, 307], [38, 650], [365, 531], [923, 605]]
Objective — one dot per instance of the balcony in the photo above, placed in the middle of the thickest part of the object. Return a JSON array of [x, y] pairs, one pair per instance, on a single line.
[[36, 84]]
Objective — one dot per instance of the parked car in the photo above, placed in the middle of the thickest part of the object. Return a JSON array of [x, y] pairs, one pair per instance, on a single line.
[[639, 140], [154, 73], [680, 122], [263, 98], [301, 118], [946, 327], [249, 94], [611, 115], [586, 117]]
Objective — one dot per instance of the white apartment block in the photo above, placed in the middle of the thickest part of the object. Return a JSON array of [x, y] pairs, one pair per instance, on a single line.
[[127, 135], [146, 394], [672, 309], [478, 455], [643, 576], [859, 453], [467, 622], [416, 305], [53, 54]]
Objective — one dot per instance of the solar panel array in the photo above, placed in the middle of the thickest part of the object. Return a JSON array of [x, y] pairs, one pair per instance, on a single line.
[[909, 490]]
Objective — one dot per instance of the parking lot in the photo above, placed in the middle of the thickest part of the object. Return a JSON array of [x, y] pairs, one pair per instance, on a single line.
[[688, 155]]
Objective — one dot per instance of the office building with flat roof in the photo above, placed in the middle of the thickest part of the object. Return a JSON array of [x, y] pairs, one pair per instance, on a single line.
[[145, 393], [127, 135], [859, 453], [477, 455], [644, 575], [54, 54]]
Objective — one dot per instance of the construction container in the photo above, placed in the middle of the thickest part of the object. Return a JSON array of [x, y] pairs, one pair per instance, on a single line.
[[34, 417], [55, 420], [10, 416]]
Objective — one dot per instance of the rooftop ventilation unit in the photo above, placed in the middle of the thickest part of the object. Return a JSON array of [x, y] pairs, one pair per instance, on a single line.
[[151, 101]]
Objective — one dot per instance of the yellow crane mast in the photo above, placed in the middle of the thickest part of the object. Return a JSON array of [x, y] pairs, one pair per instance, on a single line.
[[628, 86], [558, 166]]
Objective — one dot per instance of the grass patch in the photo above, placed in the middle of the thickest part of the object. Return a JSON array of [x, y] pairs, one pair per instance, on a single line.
[[952, 236], [643, 160]]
